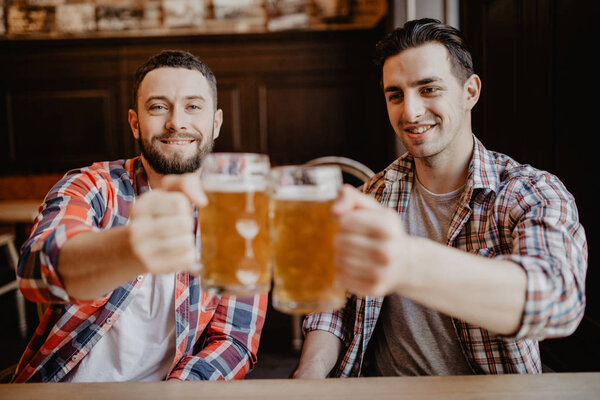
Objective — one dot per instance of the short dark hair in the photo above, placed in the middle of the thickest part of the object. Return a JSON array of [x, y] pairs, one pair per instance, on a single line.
[[421, 31], [174, 59]]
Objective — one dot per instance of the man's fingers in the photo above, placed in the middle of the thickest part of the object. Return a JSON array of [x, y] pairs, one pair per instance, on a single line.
[[188, 184], [350, 199], [163, 227], [361, 247], [162, 231], [161, 203], [378, 224], [162, 253]]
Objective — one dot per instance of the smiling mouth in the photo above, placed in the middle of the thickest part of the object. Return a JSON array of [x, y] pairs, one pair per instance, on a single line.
[[177, 142], [419, 129]]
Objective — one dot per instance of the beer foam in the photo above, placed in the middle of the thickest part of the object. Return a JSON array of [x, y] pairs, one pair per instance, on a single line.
[[224, 185], [305, 193]]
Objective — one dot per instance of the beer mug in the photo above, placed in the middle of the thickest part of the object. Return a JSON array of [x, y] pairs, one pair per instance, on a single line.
[[302, 232], [234, 232]]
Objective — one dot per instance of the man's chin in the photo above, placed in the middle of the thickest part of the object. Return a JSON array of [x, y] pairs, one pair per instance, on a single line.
[[174, 163], [168, 167]]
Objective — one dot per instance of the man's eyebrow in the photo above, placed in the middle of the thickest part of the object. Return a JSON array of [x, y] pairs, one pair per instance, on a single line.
[[165, 98], [417, 83], [425, 81], [195, 97], [392, 89], [152, 98]]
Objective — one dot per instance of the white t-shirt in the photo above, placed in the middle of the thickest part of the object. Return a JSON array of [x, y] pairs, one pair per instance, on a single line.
[[141, 344]]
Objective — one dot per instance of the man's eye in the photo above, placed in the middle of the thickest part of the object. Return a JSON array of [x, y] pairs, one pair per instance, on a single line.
[[194, 107], [431, 90], [157, 107], [395, 97]]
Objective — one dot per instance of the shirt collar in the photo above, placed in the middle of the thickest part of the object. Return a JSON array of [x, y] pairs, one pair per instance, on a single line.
[[482, 173], [399, 169], [139, 176]]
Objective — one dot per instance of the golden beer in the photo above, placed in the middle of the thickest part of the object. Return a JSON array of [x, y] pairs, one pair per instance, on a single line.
[[234, 230], [302, 233]]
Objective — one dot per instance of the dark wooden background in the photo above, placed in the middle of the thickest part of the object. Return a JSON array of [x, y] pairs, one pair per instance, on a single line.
[[294, 96], [539, 98]]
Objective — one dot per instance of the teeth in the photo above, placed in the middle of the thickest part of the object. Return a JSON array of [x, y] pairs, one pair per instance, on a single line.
[[420, 129], [177, 141]]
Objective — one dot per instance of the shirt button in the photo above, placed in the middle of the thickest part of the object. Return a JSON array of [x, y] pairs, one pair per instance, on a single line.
[[109, 320], [140, 277], [74, 358]]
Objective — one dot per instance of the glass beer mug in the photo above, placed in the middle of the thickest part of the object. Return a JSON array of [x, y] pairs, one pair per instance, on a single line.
[[302, 231], [234, 224]]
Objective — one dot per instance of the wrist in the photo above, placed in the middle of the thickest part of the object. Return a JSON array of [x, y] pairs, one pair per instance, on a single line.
[[130, 251], [411, 259], [312, 370]]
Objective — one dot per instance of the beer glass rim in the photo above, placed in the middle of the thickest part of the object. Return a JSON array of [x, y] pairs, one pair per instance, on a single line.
[[235, 171], [304, 166], [289, 182]]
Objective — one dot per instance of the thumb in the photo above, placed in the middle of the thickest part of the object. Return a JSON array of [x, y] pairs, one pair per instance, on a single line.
[[188, 184], [350, 198]]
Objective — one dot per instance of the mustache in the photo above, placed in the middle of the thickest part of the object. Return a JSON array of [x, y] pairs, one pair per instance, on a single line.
[[178, 136]]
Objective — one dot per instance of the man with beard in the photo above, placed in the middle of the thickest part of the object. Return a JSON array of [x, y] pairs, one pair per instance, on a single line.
[[459, 258], [113, 247]]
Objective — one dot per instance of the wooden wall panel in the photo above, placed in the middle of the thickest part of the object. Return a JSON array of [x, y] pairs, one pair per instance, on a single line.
[[538, 92], [518, 79], [318, 87], [52, 127], [66, 125], [230, 136], [312, 117]]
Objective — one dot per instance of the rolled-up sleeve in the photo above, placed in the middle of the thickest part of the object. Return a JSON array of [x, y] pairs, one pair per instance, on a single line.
[[550, 245], [74, 205], [332, 322]]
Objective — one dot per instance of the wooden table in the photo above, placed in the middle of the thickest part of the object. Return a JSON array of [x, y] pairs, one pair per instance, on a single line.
[[19, 213], [551, 386]]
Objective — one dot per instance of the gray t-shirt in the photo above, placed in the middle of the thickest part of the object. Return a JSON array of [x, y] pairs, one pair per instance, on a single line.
[[411, 339]]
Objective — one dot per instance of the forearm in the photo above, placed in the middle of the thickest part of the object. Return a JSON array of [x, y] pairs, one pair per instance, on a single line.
[[320, 353], [482, 291], [92, 264]]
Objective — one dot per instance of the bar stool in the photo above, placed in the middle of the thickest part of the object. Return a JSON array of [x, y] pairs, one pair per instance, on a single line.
[[7, 241]]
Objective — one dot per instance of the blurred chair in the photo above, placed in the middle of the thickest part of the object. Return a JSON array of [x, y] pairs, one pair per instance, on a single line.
[[359, 172], [7, 241], [355, 173]]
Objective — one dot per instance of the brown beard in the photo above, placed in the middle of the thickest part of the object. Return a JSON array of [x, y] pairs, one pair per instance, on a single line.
[[175, 164]]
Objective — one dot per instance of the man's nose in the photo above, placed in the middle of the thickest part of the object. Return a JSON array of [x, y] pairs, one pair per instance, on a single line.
[[177, 120], [413, 108]]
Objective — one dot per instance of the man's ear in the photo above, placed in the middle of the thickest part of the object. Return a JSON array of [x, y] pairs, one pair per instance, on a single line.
[[472, 89], [218, 121], [134, 123]]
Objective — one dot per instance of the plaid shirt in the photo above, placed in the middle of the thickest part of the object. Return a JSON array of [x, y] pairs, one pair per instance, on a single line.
[[508, 211], [216, 337]]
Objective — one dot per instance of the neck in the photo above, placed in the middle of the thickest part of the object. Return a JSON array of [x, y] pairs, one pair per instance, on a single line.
[[448, 172]]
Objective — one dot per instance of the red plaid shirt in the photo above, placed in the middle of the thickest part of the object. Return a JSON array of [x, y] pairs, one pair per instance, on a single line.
[[216, 337], [508, 211]]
